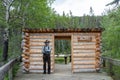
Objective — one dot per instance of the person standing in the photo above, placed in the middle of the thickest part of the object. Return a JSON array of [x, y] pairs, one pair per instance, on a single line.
[[46, 50]]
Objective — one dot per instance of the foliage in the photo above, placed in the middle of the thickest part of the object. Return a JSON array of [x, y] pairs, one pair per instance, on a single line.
[[111, 35], [114, 2], [62, 46], [28, 13]]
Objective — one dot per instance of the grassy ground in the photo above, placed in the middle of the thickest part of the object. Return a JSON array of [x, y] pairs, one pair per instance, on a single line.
[[61, 60]]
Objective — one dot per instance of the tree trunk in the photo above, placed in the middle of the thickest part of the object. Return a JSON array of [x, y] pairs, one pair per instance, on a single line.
[[5, 47]]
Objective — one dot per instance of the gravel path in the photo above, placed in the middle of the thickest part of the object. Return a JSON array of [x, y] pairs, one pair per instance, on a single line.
[[63, 72]]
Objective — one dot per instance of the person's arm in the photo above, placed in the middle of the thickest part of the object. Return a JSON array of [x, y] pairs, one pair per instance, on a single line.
[[43, 50]]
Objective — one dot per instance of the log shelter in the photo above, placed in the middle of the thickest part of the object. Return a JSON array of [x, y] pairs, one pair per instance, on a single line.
[[85, 48]]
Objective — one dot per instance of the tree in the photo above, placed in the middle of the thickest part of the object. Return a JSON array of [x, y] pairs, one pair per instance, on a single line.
[[17, 14], [7, 4], [111, 35], [116, 2]]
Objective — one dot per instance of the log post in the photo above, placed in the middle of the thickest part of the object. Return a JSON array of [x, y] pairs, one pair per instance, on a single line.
[[110, 68], [5, 47], [65, 58], [70, 58], [104, 63], [10, 74]]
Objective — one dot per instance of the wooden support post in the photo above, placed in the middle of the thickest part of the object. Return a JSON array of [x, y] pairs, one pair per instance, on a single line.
[[110, 68], [10, 74], [70, 58], [104, 63], [65, 58], [1, 76]]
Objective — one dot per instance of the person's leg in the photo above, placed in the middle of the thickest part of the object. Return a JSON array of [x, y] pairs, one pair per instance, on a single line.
[[49, 64], [44, 63]]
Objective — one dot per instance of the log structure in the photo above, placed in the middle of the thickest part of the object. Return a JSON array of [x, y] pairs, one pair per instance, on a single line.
[[85, 48]]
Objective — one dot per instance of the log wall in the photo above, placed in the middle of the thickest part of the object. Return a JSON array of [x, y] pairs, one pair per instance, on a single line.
[[32, 52], [85, 52]]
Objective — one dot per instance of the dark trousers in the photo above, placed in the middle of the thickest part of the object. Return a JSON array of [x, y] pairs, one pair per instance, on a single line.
[[46, 60]]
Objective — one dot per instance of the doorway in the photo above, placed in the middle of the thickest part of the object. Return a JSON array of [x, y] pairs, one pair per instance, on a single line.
[[62, 46]]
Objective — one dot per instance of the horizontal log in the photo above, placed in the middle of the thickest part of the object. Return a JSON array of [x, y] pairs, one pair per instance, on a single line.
[[112, 61], [93, 39], [84, 66], [84, 55], [26, 38], [37, 71], [24, 69], [6, 67], [25, 48], [84, 51], [62, 38], [37, 67], [37, 51], [41, 37], [62, 34], [36, 47], [84, 59], [26, 53], [84, 70], [36, 54], [26, 45], [25, 60], [39, 58], [86, 34], [84, 43], [81, 54], [85, 46], [25, 41], [97, 65], [33, 60], [40, 40], [83, 63], [27, 34], [25, 57], [39, 63], [37, 43], [26, 66], [41, 34]]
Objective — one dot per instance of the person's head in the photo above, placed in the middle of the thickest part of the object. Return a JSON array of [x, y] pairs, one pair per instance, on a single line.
[[47, 42]]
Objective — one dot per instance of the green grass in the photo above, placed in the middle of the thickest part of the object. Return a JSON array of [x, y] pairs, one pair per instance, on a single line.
[[61, 60]]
